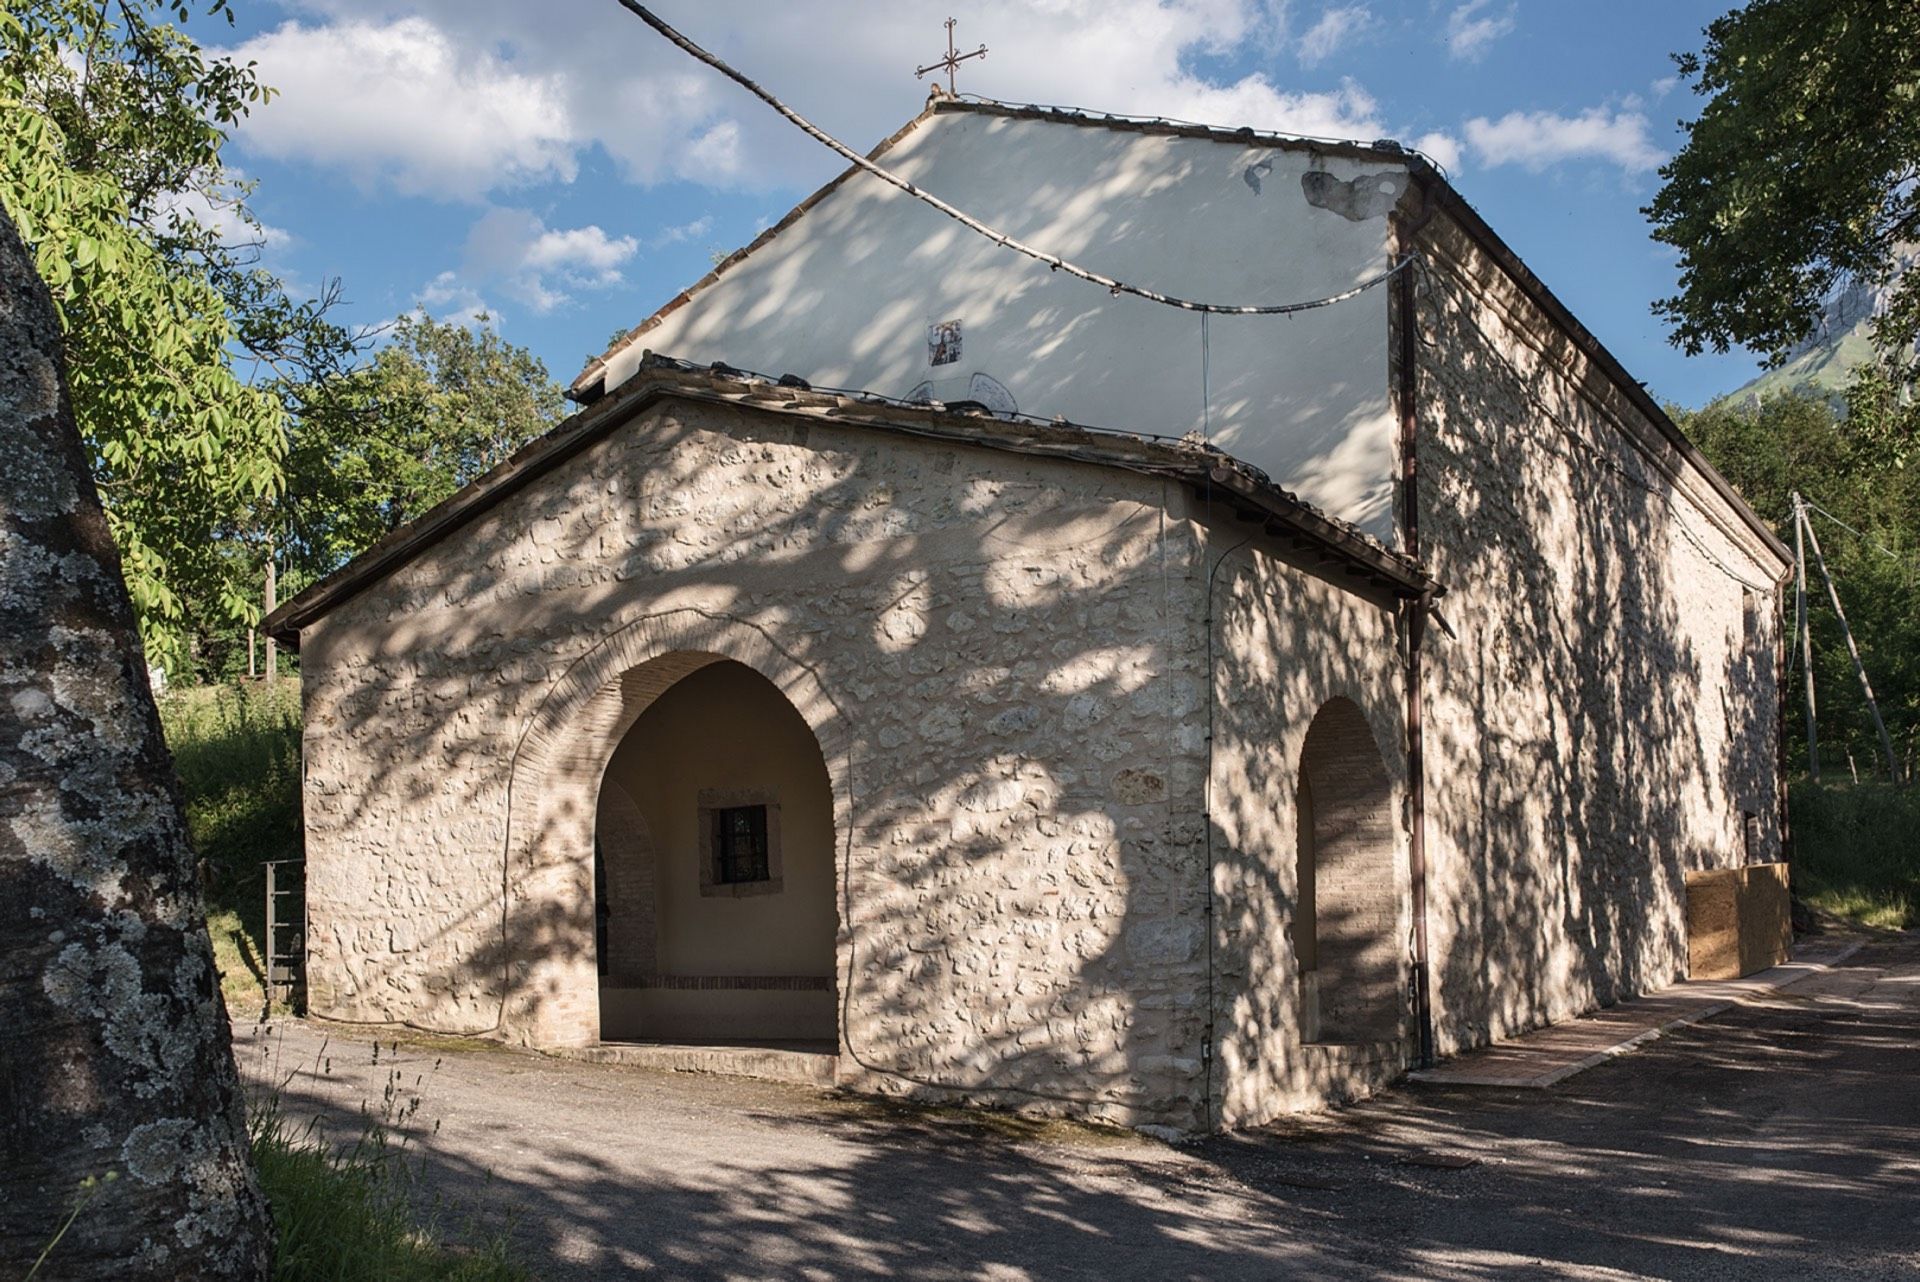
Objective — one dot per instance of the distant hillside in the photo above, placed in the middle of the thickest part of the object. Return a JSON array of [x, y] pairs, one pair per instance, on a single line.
[[1841, 342]]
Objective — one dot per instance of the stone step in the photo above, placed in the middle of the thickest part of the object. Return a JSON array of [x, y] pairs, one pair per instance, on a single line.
[[773, 1063]]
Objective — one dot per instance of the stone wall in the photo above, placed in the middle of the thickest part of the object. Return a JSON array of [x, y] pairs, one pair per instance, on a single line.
[[1288, 644], [1601, 717], [999, 657], [1052, 698]]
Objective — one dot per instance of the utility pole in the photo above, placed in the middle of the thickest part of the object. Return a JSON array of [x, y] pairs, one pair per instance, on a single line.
[[1806, 637], [1859, 668]]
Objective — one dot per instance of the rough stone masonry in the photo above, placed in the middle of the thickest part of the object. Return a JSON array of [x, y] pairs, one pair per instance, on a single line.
[[1116, 733]]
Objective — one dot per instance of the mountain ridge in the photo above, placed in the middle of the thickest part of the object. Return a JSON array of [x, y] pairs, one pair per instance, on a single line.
[[1841, 340]]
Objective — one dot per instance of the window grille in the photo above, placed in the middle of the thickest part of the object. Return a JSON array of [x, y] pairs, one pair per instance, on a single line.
[[740, 845]]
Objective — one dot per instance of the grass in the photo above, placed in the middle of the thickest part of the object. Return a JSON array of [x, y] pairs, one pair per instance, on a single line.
[[1856, 850], [347, 1213], [237, 749]]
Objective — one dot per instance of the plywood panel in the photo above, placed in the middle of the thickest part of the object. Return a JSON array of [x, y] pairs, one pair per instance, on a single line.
[[1737, 921], [1766, 926]]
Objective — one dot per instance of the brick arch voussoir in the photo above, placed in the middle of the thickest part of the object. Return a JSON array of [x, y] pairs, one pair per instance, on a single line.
[[581, 720], [1342, 733]]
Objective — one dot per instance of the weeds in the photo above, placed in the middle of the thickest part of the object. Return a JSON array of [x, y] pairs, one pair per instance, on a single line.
[[90, 1188], [360, 1210]]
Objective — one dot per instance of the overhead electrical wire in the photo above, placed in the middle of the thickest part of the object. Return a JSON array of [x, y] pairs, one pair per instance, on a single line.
[[1058, 263], [994, 234], [1868, 539]]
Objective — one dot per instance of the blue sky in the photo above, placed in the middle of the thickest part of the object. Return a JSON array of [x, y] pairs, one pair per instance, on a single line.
[[557, 165]]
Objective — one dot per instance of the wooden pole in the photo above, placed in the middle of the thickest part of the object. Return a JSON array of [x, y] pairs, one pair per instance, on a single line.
[[272, 601], [1806, 636], [1859, 668]]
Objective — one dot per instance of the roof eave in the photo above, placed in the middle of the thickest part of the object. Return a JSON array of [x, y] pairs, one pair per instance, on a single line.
[[1339, 546]]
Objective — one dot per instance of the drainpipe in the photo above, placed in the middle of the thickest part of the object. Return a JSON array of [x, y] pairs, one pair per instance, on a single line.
[[1417, 610]]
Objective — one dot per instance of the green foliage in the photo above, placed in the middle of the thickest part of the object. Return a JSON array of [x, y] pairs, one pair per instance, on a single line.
[[237, 751], [1798, 175], [1856, 850], [112, 122], [440, 404], [1796, 441], [356, 1213], [1798, 172]]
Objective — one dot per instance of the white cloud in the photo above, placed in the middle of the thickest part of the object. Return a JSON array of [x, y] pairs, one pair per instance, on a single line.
[[513, 250], [683, 232], [1334, 29], [463, 98], [1470, 29], [1442, 148], [1539, 139], [447, 298], [219, 213], [405, 103], [588, 253]]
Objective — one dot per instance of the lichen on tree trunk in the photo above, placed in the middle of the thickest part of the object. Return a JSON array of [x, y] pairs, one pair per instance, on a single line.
[[114, 1048]]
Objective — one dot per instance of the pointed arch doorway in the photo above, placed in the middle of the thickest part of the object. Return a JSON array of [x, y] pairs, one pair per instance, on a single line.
[[714, 845]]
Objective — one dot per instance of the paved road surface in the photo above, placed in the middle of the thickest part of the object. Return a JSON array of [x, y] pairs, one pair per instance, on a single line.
[[1779, 1140]]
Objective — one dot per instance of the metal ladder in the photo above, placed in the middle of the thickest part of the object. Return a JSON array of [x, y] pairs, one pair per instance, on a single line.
[[286, 935]]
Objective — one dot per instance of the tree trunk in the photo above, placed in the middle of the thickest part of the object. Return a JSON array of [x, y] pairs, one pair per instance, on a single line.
[[115, 1058]]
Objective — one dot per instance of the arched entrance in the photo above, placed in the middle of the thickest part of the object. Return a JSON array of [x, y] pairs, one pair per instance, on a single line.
[[550, 924], [714, 832], [1347, 910]]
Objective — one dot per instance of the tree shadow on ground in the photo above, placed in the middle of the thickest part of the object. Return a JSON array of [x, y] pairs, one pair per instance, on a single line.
[[1778, 1140]]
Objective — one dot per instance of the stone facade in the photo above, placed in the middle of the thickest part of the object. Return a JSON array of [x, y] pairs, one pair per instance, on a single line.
[[1003, 660], [1607, 710], [1290, 646], [1124, 812]]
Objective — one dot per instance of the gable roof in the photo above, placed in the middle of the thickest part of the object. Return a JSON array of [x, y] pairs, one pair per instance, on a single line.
[[1338, 550], [590, 383]]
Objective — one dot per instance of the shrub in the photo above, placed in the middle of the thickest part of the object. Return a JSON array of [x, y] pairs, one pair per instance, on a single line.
[[1856, 850], [237, 751]]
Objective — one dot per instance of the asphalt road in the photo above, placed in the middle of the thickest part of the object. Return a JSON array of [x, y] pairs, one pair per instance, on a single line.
[[1779, 1140]]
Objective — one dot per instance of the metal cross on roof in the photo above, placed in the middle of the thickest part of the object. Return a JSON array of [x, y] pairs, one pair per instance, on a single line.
[[952, 59]]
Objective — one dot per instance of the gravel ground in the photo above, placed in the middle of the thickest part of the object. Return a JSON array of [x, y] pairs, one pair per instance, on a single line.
[[1781, 1139]]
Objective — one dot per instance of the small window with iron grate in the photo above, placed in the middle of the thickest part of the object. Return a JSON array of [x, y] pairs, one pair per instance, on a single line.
[[740, 845], [740, 842]]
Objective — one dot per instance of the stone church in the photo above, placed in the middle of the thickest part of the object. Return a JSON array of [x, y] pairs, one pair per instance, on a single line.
[[1009, 691]]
